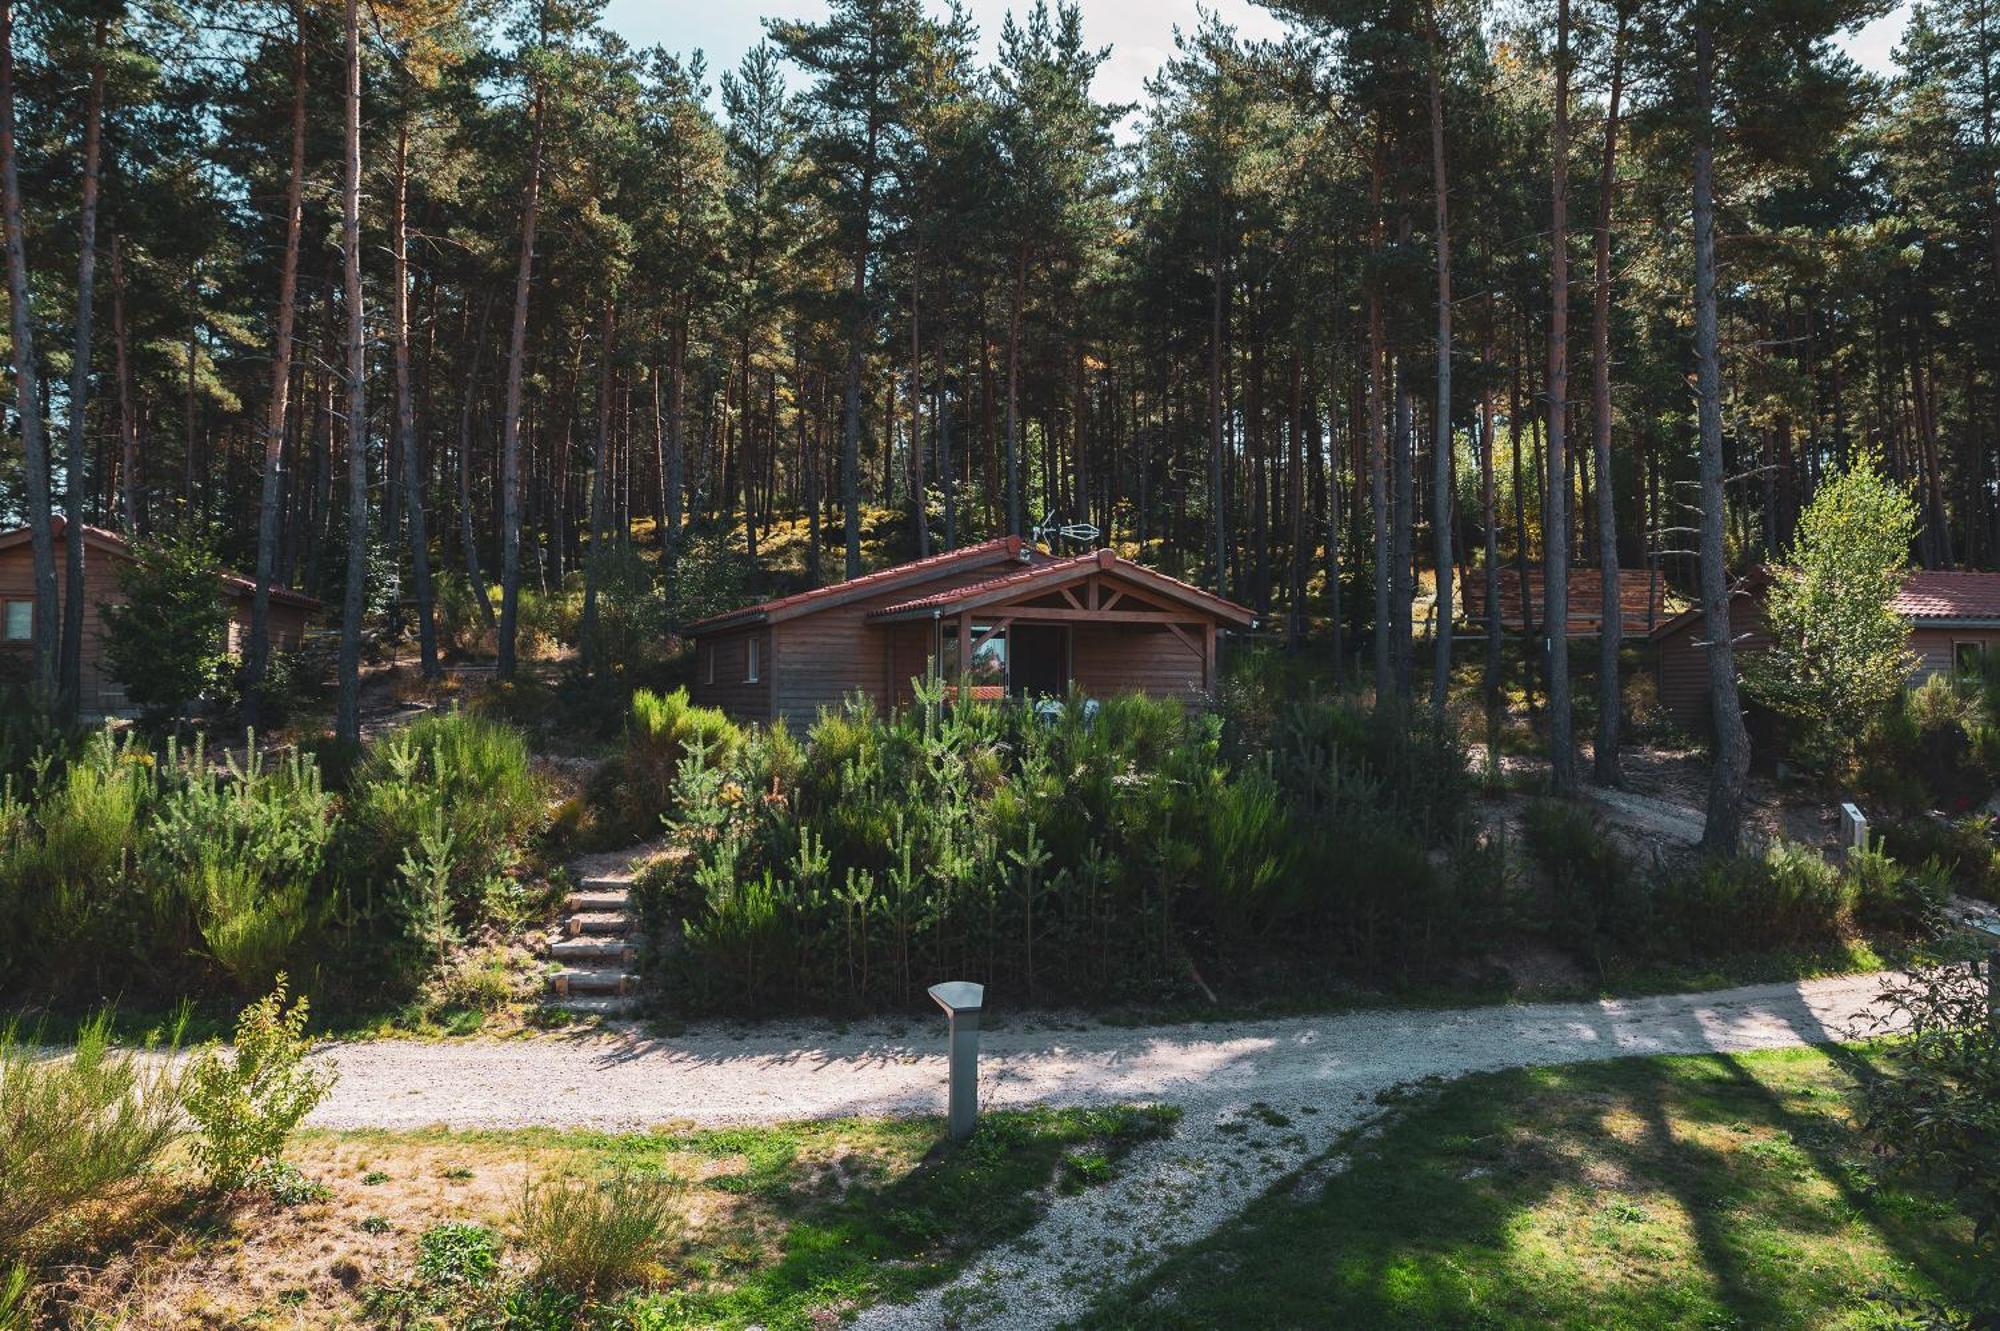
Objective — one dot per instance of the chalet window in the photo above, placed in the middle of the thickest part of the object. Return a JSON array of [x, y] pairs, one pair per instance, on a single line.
[[749, 660], [988, 675], [20, 624], [708, 663], [1969, 658]]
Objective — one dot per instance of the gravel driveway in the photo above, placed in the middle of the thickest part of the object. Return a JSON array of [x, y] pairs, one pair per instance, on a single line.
[[1259, 1099]]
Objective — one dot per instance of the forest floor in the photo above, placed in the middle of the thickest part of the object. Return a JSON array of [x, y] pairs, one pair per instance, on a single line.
[[1258, 1100]]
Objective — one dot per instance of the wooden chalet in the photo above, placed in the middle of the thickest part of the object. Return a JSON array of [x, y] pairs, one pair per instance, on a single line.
[[105, 553], [1641, 600], [1004, 619], [1954, 619]]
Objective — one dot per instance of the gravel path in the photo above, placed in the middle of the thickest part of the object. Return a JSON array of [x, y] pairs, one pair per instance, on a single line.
[[1259, 1099]]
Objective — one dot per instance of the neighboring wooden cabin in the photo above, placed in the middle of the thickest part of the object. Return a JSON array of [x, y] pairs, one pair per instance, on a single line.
[[1002, 618], [1641, 600], [104, 553], [1954, 629]]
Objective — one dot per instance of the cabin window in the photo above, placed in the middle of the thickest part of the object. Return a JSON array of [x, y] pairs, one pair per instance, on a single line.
[[750, 662], [1969, 658], [988, 676], [708, 663], [20, 622]]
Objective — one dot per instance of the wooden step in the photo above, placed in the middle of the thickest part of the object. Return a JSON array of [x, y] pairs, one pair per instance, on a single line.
[[598, 1005], [594, 949], [589, 980], [608, 882], [606, 899], [618, 922]]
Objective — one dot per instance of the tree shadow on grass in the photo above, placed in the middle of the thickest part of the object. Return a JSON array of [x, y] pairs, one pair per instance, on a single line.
[[1654, 1193]]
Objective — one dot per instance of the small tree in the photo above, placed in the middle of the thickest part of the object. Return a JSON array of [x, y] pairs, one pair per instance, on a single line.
[[165, 642], [1839, 655], [246, 1100]]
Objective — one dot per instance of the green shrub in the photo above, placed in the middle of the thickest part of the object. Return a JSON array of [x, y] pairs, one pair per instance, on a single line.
[[635, 787], [1595, 899], [81, 1135], [452, 785], [596, 1237], [247, 1099], [1791, 897], [1935, 1110], [1888, 895], [458, 1252], [164, 640], [244, 845]]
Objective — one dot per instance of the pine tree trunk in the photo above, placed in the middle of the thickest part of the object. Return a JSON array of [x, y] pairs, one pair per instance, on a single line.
[[918, 480], [1731, 768], [1606, 769], [599, 458], [1014, 527], [1441, 447], [1555, 534], [27, 390], [406, 415], [510, 421], [1378, 441], [257, 662], [347, 717], [128, 417], [71, 685], [474, 574]]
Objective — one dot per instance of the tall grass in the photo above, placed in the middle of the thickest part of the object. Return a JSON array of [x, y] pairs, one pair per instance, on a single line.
[[597, 1237], [82, 1134]]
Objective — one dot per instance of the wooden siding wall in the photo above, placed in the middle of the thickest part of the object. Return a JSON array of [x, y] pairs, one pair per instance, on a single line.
[[1683, 664], [101, 693], [742, 699], [1106, 661], [825, 657], [1641, 599]]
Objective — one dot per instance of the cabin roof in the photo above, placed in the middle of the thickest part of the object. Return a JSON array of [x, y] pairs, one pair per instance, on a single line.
[[1060, 572], [911, 574], [111, 543], [1940, 598]]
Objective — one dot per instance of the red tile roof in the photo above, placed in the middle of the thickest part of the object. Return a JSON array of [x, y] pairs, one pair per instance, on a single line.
[[1058, 571], [110, 542], [1933, 594], [917, 570]]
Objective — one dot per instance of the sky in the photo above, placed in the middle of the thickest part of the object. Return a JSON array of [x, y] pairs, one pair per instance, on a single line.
[[1140, 33]]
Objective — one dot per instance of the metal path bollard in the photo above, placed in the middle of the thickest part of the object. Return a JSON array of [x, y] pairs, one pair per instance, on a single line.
[[1853, 827], [961, 1001], [1989, 931]]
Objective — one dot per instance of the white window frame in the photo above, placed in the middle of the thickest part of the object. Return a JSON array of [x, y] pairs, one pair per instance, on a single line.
[[708, 663], [7, 621], [751, 663]]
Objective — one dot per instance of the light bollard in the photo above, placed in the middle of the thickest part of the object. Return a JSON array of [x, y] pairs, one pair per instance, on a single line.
[[1989, 929], [961, 1001]]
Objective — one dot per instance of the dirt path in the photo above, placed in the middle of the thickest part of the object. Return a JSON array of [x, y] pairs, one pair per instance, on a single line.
[[1259, 1100]]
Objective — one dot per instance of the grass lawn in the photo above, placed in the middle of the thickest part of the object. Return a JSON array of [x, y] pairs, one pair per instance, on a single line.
[[1703, 1193], [786, 1227]]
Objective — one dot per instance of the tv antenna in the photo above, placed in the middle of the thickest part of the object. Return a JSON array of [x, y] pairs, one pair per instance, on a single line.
[[1048, 528]]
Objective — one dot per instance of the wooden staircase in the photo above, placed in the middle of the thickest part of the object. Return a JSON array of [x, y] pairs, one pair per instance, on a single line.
[[596, 947]]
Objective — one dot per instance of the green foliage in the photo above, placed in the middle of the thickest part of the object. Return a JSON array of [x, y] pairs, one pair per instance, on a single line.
[[1936, 1111], [247, 1099], [1112, 852], [635, 787], [1838, 654], [81, 1134], [458, 1252], [165, 640], [597, 1237], [1792, 897], [447, 800], [631, 617], [1596, 899], [247, 843]]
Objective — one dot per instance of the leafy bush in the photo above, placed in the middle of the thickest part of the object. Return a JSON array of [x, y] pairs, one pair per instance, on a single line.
[[246, 1100], [595, 1237], [631, 616], [1936, 1110], [81, 1134], [458, 1252]]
